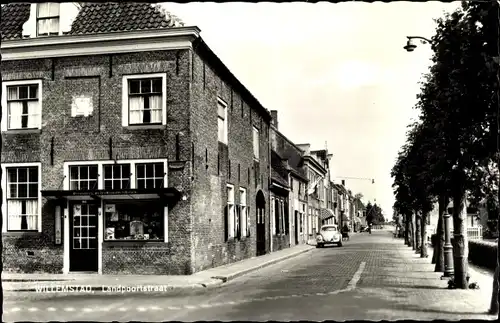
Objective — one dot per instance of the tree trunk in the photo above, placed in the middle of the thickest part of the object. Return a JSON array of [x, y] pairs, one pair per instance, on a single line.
[[439, 249], [460, 244], [423, 221], [494, 294], [418, 235], [413, 241], [407, 230]]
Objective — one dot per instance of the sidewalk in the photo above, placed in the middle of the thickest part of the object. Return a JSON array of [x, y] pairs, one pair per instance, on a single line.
[[405, 286], [14, 282]]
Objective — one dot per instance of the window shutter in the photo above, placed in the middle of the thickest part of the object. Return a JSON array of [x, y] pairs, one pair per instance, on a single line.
[[226, 224], [237, 222], [287, 219], [248, 221], [276, 216]]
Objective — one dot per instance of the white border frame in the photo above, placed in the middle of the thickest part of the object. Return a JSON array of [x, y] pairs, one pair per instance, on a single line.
[[4, 195], [230, 217], [4, 102], [100, 182], [125, 107]]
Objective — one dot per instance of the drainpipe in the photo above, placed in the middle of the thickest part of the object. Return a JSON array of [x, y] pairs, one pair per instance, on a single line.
[[269, 187]]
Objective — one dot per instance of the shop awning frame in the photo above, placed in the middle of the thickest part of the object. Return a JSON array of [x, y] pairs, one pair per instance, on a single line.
[[170, 194], [326, 214]]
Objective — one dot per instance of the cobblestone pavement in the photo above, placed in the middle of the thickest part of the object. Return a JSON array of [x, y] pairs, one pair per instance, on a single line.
[[371, 277]]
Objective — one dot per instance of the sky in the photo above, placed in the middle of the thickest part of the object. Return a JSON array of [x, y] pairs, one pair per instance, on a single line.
[[336, 73]]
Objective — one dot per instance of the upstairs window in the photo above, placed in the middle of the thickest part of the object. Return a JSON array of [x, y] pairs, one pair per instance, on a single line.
[[83, 178], [47, 19], [23, 105], [151, 175], [116, 177], [222, 121], [144, 100], [255, 143]]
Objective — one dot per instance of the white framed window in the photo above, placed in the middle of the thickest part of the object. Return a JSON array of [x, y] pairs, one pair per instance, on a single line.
[[230, 211], [21, 105], [83, 177], [222, 125], [150, 175], [144, 100], [244, 215], [47, 19], [255, 143], [21, 205], [273, 215], [116, 176]]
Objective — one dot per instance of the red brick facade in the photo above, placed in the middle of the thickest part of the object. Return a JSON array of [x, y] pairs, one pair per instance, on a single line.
[[196, 230]]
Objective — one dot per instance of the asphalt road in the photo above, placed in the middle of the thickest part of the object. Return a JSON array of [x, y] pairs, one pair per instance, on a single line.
[[337, 283]]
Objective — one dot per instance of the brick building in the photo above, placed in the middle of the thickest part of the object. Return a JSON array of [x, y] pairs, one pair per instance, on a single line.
[[127, 145], [288, 190]]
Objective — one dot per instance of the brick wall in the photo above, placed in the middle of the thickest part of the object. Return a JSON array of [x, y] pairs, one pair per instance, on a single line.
[[215, 165], [87, 138]]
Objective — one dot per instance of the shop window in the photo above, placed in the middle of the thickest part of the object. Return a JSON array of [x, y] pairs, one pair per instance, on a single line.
[[22, 105], [22, 198], [134, 220], [116, 177], [83, 178], [47, 19], [150, 175]]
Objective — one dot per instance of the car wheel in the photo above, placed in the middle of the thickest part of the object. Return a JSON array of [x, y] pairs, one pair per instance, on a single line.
[[340, 244], [319, 246]]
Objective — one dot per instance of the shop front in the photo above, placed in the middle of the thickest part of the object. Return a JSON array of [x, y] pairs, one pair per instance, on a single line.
[[93, 215]]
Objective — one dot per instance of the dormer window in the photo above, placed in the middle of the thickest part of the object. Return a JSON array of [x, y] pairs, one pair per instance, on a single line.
[[47, 19]]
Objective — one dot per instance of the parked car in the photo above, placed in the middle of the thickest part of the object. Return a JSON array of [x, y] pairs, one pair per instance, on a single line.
[[329, 234]]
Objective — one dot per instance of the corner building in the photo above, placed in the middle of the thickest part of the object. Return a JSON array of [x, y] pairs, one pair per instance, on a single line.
[[128, 147]]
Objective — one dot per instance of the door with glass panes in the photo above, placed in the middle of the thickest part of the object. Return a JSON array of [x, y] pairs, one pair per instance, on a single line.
[[83, 236]]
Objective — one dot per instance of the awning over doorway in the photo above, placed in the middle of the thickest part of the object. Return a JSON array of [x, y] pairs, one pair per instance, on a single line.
[[326, 214], [170, 193]]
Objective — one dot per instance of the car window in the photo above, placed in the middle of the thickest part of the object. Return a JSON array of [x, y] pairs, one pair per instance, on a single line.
[[330, 229]]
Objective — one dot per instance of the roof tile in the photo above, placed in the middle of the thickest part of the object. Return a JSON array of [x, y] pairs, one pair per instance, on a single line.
[[95, 18]]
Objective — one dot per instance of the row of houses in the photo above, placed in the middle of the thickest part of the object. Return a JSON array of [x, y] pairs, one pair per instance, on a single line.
[[129, 147]]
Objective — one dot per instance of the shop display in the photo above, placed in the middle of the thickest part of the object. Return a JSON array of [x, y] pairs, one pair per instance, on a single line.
[[132, 220]]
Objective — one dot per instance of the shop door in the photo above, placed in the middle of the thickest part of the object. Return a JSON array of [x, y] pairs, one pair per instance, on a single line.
[[261, 224], [83, 237]]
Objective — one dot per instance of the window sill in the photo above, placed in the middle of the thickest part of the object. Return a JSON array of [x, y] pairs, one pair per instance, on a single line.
[[21, 131], [20, 233], [128, 243], [145, 127]]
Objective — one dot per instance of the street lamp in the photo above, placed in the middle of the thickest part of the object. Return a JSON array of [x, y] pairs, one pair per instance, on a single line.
[[448, 248], [410, 44]]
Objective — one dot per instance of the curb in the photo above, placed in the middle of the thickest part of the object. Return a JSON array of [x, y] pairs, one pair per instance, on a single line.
[[232, 276]]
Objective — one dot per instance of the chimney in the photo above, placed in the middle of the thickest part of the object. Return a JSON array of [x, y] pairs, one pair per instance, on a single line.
[[274, 115], [343, 182]]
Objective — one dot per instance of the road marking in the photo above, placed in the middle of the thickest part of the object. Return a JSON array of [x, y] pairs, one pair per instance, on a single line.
[[320, 294], [155, 308], [173, 308], [190, 307], [69, 309], [141, 309], [33, 309], [122, 309], [15, 309], [87, 310], [51, 309], [205, 305], [354, 281]]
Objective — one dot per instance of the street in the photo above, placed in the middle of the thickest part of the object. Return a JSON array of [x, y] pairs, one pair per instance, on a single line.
[[371, 277]]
